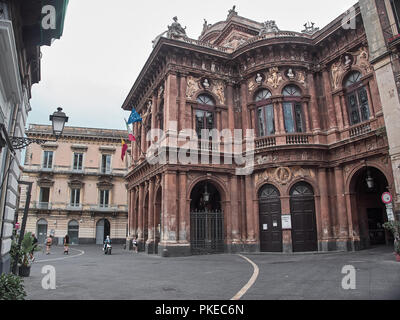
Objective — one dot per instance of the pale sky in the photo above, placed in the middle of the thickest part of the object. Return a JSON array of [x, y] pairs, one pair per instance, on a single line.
[[90, 70]]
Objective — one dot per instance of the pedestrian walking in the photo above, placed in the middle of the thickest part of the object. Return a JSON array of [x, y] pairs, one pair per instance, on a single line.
[[66, 244], [135, 244], [34, 243], [49, 242]]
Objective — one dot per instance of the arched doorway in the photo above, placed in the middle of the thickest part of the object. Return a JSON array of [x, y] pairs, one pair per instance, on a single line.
[[157, 220], [304, 225], [102, 230], [366, 188], [73, 232], [206, 219], [270, 219], [42, 231]]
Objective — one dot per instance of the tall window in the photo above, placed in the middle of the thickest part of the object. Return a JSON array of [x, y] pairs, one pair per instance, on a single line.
[[78, 161], [106, 163], [265, 113], [104, 198], [44, 198], [292, 110], [161, 115], [48, 160], [396, 12], [205, 114], [75, 197], [357, 99]]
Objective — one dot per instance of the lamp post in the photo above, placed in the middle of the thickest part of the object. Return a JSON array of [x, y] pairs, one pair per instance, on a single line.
[[58, 120]]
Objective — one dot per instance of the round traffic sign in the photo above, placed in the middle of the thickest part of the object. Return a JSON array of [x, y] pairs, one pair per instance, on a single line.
[[387, 198], [17, 225]]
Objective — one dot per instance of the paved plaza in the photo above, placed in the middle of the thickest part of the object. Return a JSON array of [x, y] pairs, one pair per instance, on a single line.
[[88, 274]]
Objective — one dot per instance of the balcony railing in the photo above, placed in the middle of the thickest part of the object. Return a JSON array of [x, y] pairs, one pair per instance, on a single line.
[[42, 205], [74, 207], [360, 130], [391, 34], [265, 142], [298, 139]]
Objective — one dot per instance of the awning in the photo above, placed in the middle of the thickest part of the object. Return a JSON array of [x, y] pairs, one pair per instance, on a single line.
[[48, 35]]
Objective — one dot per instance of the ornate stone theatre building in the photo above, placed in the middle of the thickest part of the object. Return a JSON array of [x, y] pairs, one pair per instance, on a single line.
[[321, 148]]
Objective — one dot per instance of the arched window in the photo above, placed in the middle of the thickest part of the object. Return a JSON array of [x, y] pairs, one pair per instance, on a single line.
[[292, 109], [357, 98], [205, 114], [265, 113], [262, 95]]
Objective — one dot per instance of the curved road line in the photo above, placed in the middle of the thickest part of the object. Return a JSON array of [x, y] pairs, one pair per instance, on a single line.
[[251, 282], [64, 258]]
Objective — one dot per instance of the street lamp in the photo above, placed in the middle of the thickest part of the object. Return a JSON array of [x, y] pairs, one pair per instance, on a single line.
[[58, 120]]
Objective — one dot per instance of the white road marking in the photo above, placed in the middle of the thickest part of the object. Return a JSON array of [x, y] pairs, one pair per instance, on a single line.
[[251, 282], [63, 258]]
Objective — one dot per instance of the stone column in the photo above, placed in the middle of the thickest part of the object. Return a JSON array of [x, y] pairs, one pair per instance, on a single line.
[[140, 227], [342, 242], [251, 235], [344, 110], [143, 141], [332, 124], [184, 216], [338, 111], [182, 103], [231, 111], [245, 111], [150, 224], [235, 214], [370, 101], [325, 220], [306, 115], [169, 245], [316, 126]]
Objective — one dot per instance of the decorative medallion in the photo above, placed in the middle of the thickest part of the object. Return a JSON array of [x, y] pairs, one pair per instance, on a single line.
[[283, 175]]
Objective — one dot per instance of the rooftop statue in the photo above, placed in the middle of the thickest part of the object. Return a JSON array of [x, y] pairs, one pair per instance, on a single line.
[[232, 11], [309, 28], [176, 30], [269, 26]]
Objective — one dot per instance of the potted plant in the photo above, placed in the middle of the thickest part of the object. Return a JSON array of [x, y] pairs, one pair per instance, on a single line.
[[11, 287], [394, 228], [26, 248]]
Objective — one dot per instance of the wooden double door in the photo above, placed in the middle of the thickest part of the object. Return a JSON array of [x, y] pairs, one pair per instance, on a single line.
[[270, 219], [304, 226]]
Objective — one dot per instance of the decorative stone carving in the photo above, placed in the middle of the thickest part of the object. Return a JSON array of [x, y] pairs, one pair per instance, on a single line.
[[219, 90], [160, 91], [274, 78], [206, 84], [268, 27], [283, 175], [336, 71], [175, 30], [301, 77], [234, 42], [290, 74], [252, 85], [362, 59], [259, 79], [309, 28], [192, 87]]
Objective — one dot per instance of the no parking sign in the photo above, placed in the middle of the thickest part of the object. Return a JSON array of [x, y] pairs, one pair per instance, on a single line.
[[387, 198]]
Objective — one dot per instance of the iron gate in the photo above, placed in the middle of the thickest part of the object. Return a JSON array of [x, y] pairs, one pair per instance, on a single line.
[[206, 230]]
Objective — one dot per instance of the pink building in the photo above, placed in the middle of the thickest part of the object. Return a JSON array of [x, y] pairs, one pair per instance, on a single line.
[[78, 185]]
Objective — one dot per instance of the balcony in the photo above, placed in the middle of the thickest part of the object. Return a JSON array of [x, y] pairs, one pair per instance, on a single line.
[[265, 142], [298, 139], [74, 207], [360, 129], [104, 208], [42, 205]]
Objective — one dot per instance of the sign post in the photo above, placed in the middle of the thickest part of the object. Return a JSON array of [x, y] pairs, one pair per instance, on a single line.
[[387, 200]]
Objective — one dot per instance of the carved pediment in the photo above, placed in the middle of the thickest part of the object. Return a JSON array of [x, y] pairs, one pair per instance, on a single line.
[[105, 185], [45, 182], [75, 183]]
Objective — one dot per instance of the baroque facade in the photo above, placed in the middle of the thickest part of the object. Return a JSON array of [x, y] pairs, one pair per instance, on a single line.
[[321, 147], [78, 185], [21, 37]]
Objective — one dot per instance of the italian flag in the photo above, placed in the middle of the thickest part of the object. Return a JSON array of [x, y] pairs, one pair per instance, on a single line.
[[124, 149]]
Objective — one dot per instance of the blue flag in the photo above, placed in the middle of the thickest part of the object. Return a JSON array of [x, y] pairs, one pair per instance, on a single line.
[[134, 117]]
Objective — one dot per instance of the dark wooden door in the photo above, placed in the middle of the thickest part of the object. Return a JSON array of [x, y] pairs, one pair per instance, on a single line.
[[304, 226], [270, 220]]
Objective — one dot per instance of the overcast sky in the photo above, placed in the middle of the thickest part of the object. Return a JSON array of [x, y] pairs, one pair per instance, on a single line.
[[90, 70]]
